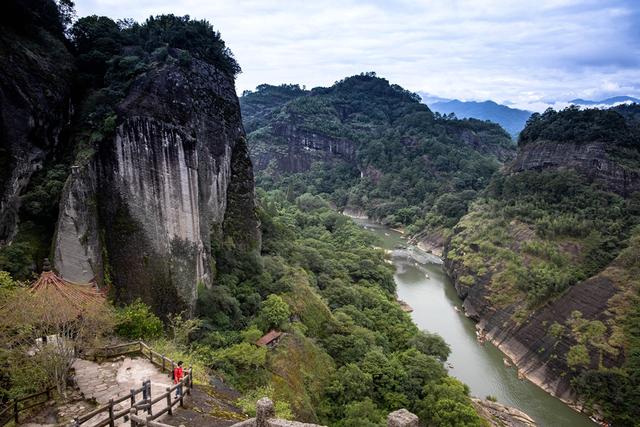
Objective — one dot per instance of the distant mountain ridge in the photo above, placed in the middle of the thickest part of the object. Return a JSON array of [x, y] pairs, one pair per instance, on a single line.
[[512, 120], [609, 101]]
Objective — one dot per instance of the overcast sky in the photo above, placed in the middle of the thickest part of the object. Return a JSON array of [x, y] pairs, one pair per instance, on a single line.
[[527, 53]]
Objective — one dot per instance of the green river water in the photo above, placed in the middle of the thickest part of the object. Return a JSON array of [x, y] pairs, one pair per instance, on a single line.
[[433, 299]]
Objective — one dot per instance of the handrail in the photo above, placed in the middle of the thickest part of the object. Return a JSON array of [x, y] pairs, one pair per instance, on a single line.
[[163, 362], [14, 404]]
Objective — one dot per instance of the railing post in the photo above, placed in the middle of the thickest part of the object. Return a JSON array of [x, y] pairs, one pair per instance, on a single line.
[[111, 420], [190, 381], [132, 412], [133, 397], [169, 400], [48, 394], [264, 411], [140, 344], [76, 421], [15, 410], [149, 394], [182, 391], [162, 363]]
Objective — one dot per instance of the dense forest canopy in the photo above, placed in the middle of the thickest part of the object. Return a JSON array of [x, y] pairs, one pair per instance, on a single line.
[[411, 166], [360, 355], [616, 126]]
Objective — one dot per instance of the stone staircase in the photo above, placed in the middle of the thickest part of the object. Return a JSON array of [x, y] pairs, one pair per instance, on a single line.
[[115, 378]]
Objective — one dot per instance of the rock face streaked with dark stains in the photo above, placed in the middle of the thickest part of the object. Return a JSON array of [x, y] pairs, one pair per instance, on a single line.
[[591, 159], [162, 188]]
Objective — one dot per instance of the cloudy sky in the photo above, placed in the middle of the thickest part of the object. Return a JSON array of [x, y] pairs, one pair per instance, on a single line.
[[525, 53]]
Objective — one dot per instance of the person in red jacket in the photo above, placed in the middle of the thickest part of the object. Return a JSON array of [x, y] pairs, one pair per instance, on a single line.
[[178, 374]]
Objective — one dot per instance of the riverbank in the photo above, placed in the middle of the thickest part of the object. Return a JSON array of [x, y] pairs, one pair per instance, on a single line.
[[429, 291]]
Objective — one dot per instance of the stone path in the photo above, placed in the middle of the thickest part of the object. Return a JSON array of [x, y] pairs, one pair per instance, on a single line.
[[113, 379]]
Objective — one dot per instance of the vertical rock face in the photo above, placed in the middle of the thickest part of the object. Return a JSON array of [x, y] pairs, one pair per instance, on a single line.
[[77, 254], [301, 149], [35, 71], [590, 159], [175, 171]]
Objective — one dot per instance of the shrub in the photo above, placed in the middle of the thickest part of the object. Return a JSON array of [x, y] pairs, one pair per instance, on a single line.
[[136, 321], [248, 403], [578, 355]]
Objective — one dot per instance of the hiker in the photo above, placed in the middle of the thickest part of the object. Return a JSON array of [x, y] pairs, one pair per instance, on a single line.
[[178, 374]]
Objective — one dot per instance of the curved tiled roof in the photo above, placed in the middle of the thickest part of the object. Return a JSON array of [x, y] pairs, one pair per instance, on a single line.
[[58, 291]]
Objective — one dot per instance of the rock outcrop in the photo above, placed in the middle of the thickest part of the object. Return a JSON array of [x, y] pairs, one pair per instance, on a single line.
[[539, 355], [77, 244], [156, 158], [296, 149], [498, 415], [35, 76], [142, 213], [593, 160]]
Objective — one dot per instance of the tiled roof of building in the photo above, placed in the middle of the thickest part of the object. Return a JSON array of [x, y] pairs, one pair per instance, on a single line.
[[269, 338], [65, 294]]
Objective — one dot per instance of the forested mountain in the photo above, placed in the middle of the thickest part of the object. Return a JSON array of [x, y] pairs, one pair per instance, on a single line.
[[547, 258], [371, 146], [124, 160], [512, 120]]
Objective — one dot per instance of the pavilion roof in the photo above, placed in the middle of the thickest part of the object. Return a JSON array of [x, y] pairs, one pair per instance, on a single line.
[[66, 294]]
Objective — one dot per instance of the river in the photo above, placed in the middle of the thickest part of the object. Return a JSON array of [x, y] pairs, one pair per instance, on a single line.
[[428, 290]]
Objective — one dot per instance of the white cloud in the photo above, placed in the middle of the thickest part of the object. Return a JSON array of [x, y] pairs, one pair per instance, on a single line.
[[522, 51]]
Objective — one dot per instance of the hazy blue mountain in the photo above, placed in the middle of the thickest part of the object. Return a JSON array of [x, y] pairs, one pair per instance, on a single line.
[[609, 101], [429, 98], [511, 119]]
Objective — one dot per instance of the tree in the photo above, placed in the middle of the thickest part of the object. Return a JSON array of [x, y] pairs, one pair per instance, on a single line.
[[41, 335], [363, 413], [349, 384], [182, 328], [137, 321], [274, 312], [431, 344], [446, 403], [578, 355]]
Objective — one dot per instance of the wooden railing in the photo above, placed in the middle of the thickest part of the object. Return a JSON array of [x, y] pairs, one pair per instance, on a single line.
[[149, 420], [147, 402], [12, 410]]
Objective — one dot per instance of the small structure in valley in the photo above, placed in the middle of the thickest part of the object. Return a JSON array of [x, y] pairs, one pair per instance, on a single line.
[[270, 339]]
